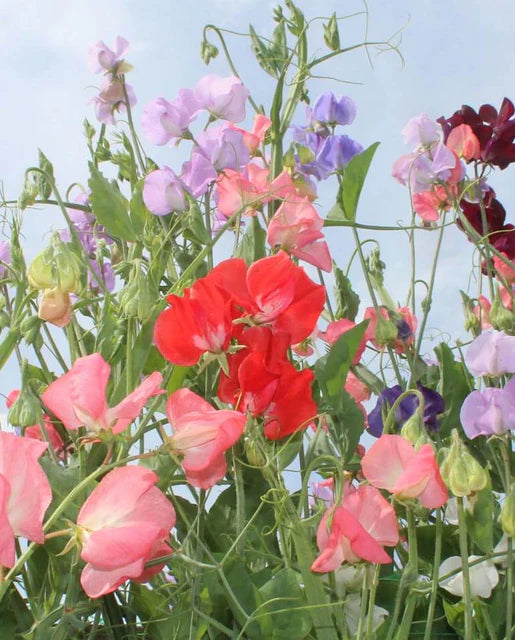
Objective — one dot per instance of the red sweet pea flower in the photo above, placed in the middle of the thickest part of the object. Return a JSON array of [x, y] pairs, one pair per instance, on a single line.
[[202, 434], [123, 525], [357, 530], [199, 321]]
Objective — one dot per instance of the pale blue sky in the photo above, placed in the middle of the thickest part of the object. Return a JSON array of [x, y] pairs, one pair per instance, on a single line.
[[457, 51]]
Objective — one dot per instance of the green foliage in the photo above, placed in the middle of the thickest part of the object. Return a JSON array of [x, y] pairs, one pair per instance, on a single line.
[[455, 385], [332, 34], [347, 300]]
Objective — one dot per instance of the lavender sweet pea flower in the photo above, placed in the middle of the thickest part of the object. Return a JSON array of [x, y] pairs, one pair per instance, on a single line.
[[337, 151], [421, 132], [163, 192], [218, 148], [224, 98], [102, 58], [104, 273], [491, 354], [332, 110], [424, 169], [111, 98], [163, 121], [5, 257], [490, 411]]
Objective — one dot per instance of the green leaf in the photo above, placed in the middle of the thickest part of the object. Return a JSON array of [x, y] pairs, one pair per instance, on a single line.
[[195, 227], [177, 378], [332, 34], [138, 211], [353, 179], [455, 614], [7, 345], [283, 594], [455, 385], [333, 372], [153, 609], [44, 185], [263, 56], [480, 521], [347, 301], [249, 600], [347, 425], [110, 206], [252, 245], [278, 49], [62, 480]]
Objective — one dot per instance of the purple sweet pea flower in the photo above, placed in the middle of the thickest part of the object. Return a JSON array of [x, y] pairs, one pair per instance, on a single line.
[[337, 151], [218, 148], [332, 110], [433, 405], [111, 98], [163, 121], [104, 273], [102, 58], [491, 354], [224, 98], [163, 192], [489, 412], [424, 169], [5, 256], [421, 132]]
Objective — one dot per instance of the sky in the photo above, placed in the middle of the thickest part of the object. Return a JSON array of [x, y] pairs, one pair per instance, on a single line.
[[455, 52]]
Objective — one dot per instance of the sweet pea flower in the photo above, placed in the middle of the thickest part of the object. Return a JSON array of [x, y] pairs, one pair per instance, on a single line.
[[5, 258], [464, 143], [202, 434], [337, 151], [404, 320], [254, 138], [78, 398], [352, 611], [163, 121], [421, 132], [336, 329], [112, 99], [296, 227], [25, 493], [482, 312], [224, 98], [483, 577], [393, 464], [421, 170], [491, 354], [331, 110], [123, 525], [357, 530], [163, 192], [490, 411], [102, 58], [506, 271]]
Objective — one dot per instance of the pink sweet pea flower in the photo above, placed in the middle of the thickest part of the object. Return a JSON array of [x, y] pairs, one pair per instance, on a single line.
[[463, 142], [503, 269], [202, 434], [102, 58], [358, 530], [420, 131], [359, 392], [254, 138], [123, 525], [224, 98], [78, 398], [111, 99], [246, 191], [296, 227], [25, 493], [163, 192], [482, 312], [429, 204], [393, 464], [491, 354], [5, 258]]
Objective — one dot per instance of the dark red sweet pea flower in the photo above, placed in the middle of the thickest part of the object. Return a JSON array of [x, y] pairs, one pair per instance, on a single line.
[[495, 213], [494, 130]]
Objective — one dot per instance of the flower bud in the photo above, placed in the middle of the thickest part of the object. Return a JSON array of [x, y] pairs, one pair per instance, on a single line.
[[386, 331], [136, 300], [55, 307], [501, 318], [508, 513], [26, 410], [413, 428], [56, 267], [29, 328], [461, 472]]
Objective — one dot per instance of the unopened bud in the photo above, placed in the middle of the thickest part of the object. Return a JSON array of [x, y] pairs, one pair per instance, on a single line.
[[508, 513], [501, 318], [461, 471], [386, 331], [26, 409], [29, 328], [56, 267], [55, 307], [136, 300]]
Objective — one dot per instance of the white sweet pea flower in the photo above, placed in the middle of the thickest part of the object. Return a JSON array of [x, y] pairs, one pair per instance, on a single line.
[[483, 577], [352, 610]]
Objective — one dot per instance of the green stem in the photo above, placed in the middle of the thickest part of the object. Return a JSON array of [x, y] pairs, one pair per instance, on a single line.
[[434, 583], [506, 455], [240, 504], [371, 603], [363, 608], [467, 596], [134, 135], [412, 570]]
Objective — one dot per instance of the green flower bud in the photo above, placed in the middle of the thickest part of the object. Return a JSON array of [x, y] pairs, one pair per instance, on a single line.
[[461, 472], [501, 318], [40, 273], [386, 330], [5, 320], [136, 300], [56, 267], [26, 411], [413, 428], [508, 513], [471, 320], [29, 328]]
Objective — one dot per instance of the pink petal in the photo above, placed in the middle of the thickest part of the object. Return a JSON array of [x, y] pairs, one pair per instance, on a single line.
[[362, 543], [97, 582], [7, 548], [421, 479], [375, 514], [184, 401], [89, 384], [112, 547], [385, 462], [131, 406]]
